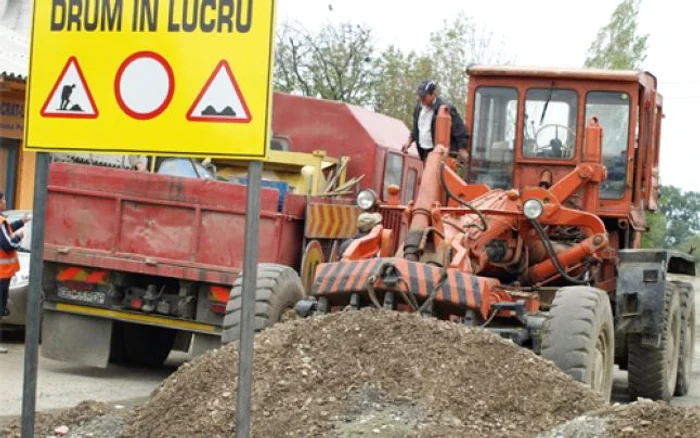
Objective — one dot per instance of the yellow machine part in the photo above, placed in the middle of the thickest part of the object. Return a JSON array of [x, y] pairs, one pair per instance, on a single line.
[[305, 173]]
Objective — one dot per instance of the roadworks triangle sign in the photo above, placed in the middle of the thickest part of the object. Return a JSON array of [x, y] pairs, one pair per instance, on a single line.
[[220, 100], [70, 97]]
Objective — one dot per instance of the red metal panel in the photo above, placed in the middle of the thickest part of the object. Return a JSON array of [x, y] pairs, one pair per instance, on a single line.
[[290, 243], [123, 262], [157, 230], [193, 229], [154, 187], [221, 239], [83, 221], [339, 129]]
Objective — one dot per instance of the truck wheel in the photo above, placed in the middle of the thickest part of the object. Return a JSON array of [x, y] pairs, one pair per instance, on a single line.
[[147, 345], [278, 290], [653, 371], [579, 336], [687, 348]]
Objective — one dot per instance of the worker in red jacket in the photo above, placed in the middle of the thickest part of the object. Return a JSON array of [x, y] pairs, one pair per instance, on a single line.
[[10, 239]]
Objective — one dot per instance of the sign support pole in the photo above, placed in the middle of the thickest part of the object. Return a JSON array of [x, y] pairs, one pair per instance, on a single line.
[[36, 274], [250, 262]]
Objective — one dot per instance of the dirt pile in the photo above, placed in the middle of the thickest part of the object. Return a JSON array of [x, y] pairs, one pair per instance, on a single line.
[[369, 372], [647, 419], [45, 424], [644, 419]]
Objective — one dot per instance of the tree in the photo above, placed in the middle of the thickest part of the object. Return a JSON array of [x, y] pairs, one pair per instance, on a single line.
[[336, 63], [682, 212], [656, 236], [618, 45], [453, 48], [395, 93]]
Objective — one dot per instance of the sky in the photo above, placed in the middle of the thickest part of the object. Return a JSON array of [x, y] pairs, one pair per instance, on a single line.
[[552, 33]]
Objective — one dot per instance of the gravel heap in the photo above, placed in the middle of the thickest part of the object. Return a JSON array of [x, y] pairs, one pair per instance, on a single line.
[[45, 424], [643, 419], [374, 373], [370, 372]]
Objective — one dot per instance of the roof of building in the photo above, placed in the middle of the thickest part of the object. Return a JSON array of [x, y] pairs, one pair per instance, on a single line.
[[14, 54]]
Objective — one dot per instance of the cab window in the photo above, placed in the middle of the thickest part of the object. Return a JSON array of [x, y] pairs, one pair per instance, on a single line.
[[492, 151], [410, 191], [549, 123], [393, 172], [613, 112]]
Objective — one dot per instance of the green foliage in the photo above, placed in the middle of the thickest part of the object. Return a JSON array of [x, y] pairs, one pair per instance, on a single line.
[[618, 45], [656, 236], [682, 213], [453, 48], [400, 74], [341, 62], [336, 63]]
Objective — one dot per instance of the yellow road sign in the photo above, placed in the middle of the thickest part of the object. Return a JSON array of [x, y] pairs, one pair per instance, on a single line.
[[163, 77]]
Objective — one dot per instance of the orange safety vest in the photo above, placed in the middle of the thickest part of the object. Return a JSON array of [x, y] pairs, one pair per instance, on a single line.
[[9, 260]]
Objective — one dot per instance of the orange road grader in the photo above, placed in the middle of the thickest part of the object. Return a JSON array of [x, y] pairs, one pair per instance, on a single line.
[[542, 243]]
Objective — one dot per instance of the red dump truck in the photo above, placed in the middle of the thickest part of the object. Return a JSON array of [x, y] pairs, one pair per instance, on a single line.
[[138, 264]]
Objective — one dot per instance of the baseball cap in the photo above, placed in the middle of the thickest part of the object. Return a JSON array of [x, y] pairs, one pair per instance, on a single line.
[[426, 86]]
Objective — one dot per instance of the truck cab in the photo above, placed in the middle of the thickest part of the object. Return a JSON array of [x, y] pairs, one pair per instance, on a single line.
[[528, 128]]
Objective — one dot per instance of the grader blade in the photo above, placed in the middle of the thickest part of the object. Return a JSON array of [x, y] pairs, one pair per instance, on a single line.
[[390, 282]]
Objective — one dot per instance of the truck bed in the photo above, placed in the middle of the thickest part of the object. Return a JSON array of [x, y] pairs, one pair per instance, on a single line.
[[161, 225]]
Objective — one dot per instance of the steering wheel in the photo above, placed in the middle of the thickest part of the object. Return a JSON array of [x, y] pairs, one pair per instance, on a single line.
[[566, 149]]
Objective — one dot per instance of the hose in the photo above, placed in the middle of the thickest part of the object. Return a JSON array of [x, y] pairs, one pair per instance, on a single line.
[[373, 295], [488, 321], [553, 255], [461, 201]]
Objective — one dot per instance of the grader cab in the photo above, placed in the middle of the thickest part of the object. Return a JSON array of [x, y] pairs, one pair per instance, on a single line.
[[541, 243]]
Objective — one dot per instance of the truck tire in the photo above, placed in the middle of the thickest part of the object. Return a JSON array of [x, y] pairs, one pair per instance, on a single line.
[[579, 337], [653, 371], [147, 345], [279, 288], [687, 347]]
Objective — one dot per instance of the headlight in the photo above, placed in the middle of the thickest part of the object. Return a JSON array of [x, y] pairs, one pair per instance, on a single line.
[[366, 199], [532, 209]]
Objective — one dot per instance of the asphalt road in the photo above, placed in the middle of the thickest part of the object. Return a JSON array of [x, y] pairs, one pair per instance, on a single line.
[[64, 385]]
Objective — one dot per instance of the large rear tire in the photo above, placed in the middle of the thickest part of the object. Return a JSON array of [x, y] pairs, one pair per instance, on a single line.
[[279, 288], [653, 371], [687, 348], [579, 337]]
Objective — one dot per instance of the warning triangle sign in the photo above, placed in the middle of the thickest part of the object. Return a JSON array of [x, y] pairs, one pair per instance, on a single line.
[[70, 97], [220, 100]]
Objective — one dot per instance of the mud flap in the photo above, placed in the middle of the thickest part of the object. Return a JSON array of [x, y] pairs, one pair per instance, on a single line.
[[202, 343], [77, 339]]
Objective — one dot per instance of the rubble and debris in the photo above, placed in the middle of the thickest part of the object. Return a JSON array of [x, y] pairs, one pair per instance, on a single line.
[[375, 373], [329, 376]]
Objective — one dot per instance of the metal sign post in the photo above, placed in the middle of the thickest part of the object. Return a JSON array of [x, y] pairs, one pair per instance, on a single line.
[[250, 263], [36, 274]]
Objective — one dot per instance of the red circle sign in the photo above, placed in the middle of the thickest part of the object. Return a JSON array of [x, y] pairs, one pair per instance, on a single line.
[[144, 85]]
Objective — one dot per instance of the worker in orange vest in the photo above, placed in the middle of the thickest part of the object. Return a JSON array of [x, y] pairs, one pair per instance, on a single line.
[[10, 240]]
